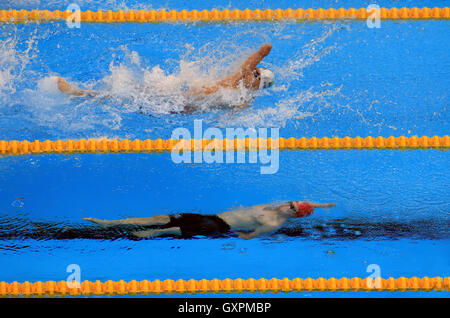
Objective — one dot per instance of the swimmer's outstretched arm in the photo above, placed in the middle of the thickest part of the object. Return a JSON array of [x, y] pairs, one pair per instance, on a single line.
[[322, 205], [154, 220], [250, 64], [232, 80], [72, 90]]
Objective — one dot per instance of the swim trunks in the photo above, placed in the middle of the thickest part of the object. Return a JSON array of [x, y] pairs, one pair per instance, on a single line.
[[192, 224]]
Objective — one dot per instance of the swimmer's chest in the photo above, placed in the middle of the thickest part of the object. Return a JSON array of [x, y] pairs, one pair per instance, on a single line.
[[257, 216]]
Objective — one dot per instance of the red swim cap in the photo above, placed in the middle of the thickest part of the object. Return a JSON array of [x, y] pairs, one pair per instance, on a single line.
[[303, 209]]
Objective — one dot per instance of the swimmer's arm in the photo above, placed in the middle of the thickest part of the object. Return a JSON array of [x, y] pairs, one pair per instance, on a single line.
[[322, 205], [253, 61], [245, 236], [232, 80], [153, 220]]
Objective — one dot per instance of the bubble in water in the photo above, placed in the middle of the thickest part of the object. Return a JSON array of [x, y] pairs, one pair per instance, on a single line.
[[330, 253], [228, 246], [18, 203]]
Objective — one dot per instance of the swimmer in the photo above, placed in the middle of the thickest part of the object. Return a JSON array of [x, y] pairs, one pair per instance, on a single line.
[[248, 223], [251, 77]]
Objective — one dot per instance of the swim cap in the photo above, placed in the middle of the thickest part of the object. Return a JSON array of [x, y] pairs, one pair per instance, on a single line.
[[303, 209], [267, 78]]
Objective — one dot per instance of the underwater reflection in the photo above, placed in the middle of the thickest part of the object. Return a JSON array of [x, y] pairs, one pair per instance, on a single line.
[[337, 229]]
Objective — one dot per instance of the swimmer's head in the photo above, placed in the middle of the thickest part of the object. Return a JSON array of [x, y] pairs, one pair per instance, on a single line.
[[266, 77], [301, 208]]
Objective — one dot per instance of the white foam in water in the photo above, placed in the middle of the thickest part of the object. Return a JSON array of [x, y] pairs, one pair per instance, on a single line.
[[290, 107], [47, 98], [13, 61], [8, 61], [49, 85]]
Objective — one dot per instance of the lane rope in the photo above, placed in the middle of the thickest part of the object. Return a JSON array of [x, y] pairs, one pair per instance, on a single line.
[[224, 15], [192, 286], [25, 147]]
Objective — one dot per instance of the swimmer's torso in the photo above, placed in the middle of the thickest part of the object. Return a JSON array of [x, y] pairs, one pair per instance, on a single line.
[[250, 218]]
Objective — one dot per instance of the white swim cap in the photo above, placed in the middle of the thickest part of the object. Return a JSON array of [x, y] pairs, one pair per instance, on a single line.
[[267, 78]]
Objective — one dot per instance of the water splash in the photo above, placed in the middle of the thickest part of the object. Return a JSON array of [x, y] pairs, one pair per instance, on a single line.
[[135, 90], [292, 106], [137, 87], [13, 60]]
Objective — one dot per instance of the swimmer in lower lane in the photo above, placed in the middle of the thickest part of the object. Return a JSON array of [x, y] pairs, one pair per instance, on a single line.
[[248, 222]]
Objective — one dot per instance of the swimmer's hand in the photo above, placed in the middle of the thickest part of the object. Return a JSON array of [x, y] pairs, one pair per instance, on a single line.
[[265, 49], [246, 236], [102, 223]]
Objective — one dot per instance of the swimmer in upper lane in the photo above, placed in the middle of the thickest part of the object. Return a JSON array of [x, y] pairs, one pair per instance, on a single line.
[[248, 75], [248, 222]]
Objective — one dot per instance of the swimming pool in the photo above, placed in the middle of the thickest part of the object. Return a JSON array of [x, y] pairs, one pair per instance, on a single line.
[[333, 78]]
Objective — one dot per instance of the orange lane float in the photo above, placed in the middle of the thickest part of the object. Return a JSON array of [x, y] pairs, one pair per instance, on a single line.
[[163, 15], [239, 285], [25, 147]]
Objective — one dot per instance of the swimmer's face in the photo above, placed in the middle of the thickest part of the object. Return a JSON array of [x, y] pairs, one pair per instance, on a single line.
[[256, 78], [293, 207], [290, 208]]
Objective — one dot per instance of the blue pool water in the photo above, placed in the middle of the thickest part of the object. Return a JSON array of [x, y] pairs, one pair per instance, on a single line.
[[335, 78]]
